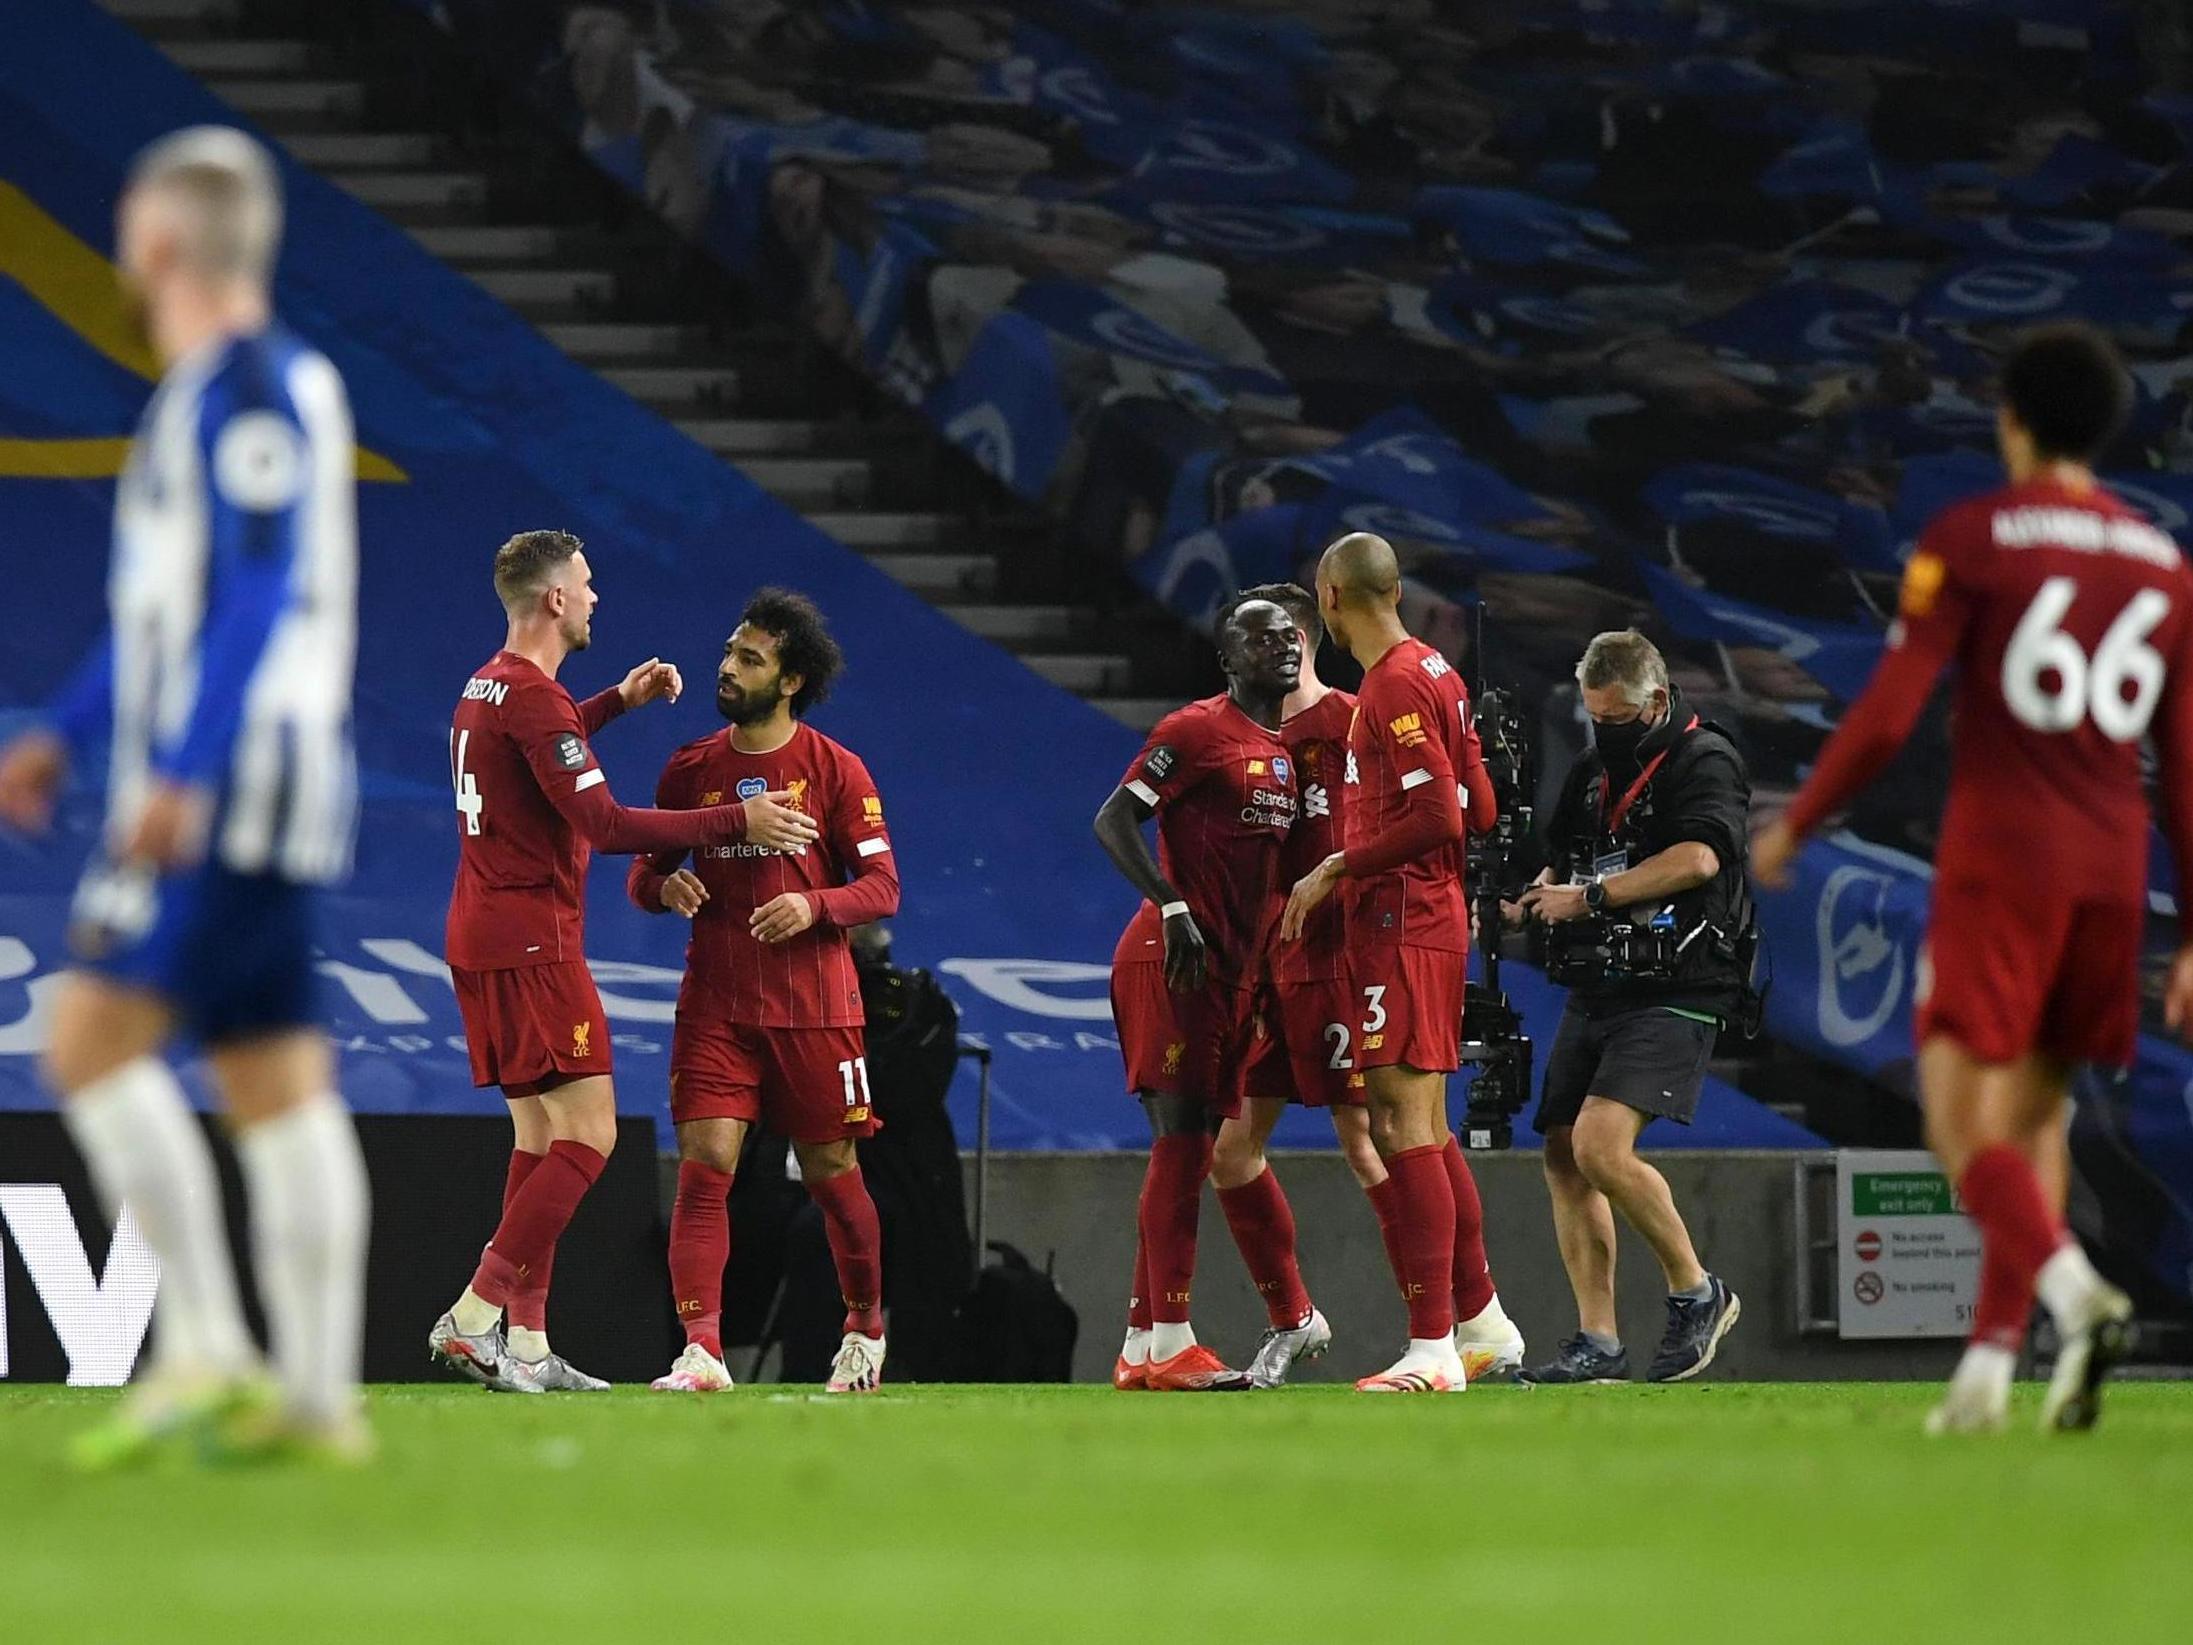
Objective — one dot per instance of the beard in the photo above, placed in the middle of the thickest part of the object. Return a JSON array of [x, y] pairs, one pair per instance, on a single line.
[[747, 707], [578, 636]]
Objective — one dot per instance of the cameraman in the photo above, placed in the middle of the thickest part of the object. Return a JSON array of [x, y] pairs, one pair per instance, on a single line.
[[1650, 831]]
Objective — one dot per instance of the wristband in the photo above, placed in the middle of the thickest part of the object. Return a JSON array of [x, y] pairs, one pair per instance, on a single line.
[[1168, 910]]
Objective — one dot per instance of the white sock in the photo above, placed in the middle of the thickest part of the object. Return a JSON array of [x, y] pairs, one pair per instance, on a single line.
[[473, 1314], [1136, 1349], [528, 1345], [1167, 1340], [145, 1149], [309, 1216], [1490, 1321], [1436, 1348], [2068, 1284], [1986, 1369]]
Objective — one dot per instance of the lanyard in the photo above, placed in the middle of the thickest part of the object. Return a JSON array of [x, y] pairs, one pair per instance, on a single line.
[[1611, 821]]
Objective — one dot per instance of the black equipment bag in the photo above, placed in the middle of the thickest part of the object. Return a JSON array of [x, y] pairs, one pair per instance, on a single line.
[[1015, 1326]]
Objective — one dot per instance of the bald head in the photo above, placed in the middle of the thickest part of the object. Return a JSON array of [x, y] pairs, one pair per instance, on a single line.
[[1359, 589], [208, 200], [1362, 569]]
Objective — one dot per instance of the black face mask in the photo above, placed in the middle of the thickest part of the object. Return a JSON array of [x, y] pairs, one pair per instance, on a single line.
[[1618, 744]]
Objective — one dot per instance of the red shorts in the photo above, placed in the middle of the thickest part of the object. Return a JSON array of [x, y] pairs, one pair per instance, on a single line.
[[1188, 1045], [1305, 1045], [1408, 1005], [531, 1023], [2006, 973], [808, 1084]]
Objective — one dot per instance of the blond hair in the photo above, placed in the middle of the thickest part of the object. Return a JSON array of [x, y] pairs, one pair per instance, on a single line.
[[227, 197]]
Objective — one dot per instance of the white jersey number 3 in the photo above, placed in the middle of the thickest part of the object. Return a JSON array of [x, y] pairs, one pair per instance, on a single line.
[[2117, 687]]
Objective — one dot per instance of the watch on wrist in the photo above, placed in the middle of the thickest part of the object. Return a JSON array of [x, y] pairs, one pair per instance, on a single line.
[[1595, 895]]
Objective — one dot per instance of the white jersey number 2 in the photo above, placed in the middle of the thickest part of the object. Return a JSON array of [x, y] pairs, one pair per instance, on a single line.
[[2117, 687]]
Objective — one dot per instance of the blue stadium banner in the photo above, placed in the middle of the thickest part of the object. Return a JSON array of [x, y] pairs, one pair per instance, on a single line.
[[1843, 947], [1841, 656], [1695, 492]]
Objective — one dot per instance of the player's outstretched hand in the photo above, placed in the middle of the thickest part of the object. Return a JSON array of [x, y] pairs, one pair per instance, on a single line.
[[31, 768], [652, 679], [683, 893], [1187, 955], [170, 831], [1773, 851], [2178, 993], [772, 820], [782, 916], [1310, 890]]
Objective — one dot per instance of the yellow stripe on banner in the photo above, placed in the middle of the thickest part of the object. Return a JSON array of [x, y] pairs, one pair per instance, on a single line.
[[72, 280], [79, 287], [62, 459], [102, 459]]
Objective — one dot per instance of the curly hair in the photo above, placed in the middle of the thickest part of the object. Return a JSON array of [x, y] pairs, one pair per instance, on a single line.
[[804, 645], [2068, 386]]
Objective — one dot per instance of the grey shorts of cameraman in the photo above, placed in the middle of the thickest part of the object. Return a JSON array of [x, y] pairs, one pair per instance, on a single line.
[[1609, 1075]]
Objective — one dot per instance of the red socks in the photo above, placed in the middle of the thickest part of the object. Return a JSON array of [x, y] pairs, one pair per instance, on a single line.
[[1263, 1224], [1473, 1289], [2018, 1233], [1172, 1195], [1138, 1298], [856, 1246], [700, 1246], [1424, 1199], [2003, 1308], [518, 1257], [1388, 1211], [527, 1309]]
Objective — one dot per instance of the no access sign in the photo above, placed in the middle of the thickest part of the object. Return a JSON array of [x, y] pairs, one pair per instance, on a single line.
[[1908, 1259]]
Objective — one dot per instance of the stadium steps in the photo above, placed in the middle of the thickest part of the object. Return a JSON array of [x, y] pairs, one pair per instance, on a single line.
[[363, 96], [173, 19]]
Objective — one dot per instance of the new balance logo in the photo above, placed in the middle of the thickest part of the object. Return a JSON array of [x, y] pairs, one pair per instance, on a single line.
[[1316, 802]]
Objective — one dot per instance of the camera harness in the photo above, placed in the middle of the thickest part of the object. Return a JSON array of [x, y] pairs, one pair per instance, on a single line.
[[1741, 948], [1610, 821]]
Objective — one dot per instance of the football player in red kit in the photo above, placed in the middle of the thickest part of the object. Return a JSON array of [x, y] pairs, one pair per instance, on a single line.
[[532, 805], [1419, 782], [1304, 1017], [1188, 966], [2070, 620], [769, 1018]]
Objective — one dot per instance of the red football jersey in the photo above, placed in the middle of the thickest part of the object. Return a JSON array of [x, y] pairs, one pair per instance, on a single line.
[[1411, 745], [2071, 621], [1224, 791], [849, 874], [1317, 741], [517, 744]]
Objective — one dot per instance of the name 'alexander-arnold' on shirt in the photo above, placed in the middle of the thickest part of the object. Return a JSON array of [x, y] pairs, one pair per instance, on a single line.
[[2084, 532]]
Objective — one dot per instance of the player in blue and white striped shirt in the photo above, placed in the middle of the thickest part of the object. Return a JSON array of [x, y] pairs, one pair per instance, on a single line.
[[226, 684]]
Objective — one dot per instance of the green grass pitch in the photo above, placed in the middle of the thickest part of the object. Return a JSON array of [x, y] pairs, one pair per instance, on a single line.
[[1718, 1512]]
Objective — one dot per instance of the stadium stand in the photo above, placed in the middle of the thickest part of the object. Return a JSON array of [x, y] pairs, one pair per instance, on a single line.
[[472, 424], [1609, 312]]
